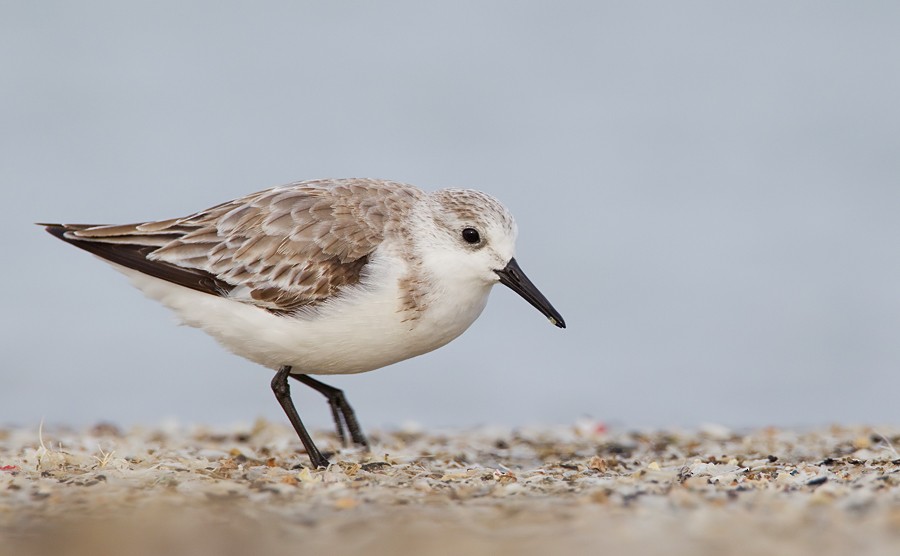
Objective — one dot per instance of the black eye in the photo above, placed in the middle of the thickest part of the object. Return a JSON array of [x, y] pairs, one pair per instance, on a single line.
[[471, 235]]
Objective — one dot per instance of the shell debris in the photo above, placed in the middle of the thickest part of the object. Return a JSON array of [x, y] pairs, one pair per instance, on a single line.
[[487, 490]]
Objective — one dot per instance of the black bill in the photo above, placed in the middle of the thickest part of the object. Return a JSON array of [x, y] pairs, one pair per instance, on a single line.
[[513, 277]]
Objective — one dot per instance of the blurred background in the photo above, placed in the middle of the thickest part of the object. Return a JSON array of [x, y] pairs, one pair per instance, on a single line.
[[709, 193]]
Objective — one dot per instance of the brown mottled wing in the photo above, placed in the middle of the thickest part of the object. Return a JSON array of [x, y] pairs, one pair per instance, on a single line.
[[281, 249]]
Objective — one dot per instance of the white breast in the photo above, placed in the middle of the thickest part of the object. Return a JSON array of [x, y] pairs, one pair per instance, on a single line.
[[362, 330]]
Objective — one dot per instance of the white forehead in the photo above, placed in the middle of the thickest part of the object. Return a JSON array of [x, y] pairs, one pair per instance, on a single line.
[[469, 207]]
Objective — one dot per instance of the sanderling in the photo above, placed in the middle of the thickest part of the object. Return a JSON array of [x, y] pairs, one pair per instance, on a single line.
[[324, 277]]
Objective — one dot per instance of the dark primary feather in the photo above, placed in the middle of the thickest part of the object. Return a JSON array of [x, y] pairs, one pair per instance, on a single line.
[[135, 256]]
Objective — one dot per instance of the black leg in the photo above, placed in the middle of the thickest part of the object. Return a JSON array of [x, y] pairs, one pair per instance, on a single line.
[[340, 409], [283, 395]]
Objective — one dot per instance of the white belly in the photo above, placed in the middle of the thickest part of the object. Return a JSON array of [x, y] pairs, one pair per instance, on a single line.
[[361, 332]]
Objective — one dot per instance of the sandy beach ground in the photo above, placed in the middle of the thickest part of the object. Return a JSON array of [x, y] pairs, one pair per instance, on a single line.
[[579, 489]]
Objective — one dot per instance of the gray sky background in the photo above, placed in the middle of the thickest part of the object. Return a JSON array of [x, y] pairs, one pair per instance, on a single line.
[[709, 192]]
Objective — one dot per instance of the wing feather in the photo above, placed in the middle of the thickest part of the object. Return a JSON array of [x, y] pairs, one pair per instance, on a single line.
[[281, 249]]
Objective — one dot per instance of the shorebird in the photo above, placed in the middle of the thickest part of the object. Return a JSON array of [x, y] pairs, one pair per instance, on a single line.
[[323, 277]]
